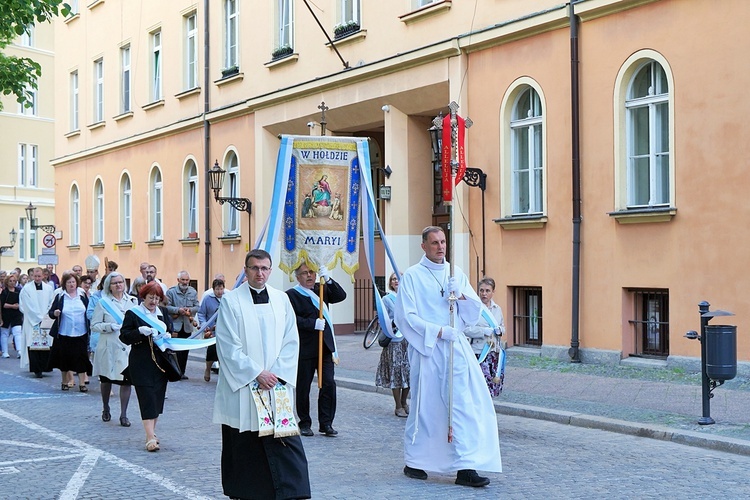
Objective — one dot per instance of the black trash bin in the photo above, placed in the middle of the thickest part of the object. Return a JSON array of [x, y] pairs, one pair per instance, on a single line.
[[721, 352]]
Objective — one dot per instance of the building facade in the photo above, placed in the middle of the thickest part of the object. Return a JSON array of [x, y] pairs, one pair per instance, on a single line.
[[27, 148], [609, 172]]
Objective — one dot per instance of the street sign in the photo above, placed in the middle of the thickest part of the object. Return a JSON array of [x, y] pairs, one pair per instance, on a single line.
[[49, 240], [43, 260], [48, 251]]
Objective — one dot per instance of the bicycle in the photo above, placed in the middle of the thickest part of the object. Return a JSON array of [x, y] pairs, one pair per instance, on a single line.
[[371, 333]]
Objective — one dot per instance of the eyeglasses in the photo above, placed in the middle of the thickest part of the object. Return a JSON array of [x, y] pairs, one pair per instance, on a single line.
[[255, 269], [306, 273], [116, 282]]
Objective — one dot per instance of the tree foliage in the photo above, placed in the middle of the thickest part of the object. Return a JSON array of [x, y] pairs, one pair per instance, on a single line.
[[19, 74]]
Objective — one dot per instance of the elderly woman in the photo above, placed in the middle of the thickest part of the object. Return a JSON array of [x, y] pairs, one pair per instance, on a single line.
[[149, 379], [11, 316], [482, 333], [209, 306], [393, 368], [137, 284], [70, 330], [111, 355]]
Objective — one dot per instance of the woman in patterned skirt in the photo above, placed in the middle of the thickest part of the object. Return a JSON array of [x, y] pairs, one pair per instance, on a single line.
[[393, 369]]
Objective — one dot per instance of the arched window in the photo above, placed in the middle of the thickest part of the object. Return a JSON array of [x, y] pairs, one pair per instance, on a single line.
[[191, 199], [232, 187], [527, 160], [647, 132], [98, 213], [75, 216], [157, 200], [126, 209], [644, 163]]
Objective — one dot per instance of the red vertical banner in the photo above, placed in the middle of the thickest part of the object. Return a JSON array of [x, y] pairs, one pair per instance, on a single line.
[[445, 159], [446, 155], [461, 123]]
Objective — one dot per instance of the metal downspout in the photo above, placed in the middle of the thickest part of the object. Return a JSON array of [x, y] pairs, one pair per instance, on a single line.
[[206, 147], [573, 352]]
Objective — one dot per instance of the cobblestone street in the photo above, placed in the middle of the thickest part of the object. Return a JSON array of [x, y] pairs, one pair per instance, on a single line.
[[56, 446]]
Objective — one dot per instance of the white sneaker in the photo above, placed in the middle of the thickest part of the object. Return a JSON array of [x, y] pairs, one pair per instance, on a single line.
[[6, 355], [19, 356]]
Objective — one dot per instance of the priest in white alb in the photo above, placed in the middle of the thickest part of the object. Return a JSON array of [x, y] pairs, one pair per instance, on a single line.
[[34, 302], [422, 314], [257, 344]]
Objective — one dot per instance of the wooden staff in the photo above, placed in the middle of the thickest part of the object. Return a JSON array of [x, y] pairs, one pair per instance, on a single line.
[[321, 305]]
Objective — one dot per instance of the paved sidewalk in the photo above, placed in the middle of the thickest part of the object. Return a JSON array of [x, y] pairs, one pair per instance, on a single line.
[[588, 396]]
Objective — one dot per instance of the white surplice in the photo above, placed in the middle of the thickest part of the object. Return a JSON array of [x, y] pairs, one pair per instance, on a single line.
[[421, 311], [34, 304], [251, 338]]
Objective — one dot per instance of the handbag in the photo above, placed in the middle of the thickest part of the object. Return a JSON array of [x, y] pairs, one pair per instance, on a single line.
[[167, 362], [383, 339]]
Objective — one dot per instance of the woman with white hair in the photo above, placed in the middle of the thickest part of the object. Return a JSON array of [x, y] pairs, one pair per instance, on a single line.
[[111, 355]]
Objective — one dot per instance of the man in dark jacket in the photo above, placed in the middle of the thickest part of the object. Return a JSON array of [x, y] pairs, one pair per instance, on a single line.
[[305, 298]]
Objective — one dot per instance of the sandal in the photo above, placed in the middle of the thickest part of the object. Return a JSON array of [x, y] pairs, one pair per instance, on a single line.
[[207, 375], [64, 387], [152, 445], [126, 423], [106, 416], [83, 388]]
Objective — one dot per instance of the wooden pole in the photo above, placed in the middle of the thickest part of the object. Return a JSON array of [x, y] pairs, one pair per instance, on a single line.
[[321, 305]]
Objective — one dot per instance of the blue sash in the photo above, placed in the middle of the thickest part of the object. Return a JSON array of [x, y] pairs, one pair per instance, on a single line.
[[492, 322], [395, 336], [108, 306], [174, 344], [316, 301]]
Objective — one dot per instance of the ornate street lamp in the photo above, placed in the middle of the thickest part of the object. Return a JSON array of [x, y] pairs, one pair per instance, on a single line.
[[30, 213], [12, 241], [216, 181]]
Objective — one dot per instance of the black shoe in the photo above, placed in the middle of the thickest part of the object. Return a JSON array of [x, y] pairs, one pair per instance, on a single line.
[[469, 477], [306, 431], [184, 377], [414, 473], [38, 374], [328, 430]]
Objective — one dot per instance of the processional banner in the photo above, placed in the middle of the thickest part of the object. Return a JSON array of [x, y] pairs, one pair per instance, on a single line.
[[322, 204]]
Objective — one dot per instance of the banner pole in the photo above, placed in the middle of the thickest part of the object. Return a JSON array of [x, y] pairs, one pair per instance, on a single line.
[[452, 298], [320, 334]]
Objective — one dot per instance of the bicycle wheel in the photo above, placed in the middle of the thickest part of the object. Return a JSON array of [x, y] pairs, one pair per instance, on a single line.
[[372, 332]]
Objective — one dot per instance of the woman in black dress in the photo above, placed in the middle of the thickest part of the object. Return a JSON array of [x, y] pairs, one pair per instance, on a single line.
[[70, 330], [148, 378], [12, 316]]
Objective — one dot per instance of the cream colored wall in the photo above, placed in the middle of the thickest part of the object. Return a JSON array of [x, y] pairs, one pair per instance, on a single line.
[[36, 130]]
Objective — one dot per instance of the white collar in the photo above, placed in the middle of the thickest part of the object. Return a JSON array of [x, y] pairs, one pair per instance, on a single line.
[[432, 265]]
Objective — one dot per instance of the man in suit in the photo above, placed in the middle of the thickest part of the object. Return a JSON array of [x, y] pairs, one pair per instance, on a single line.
[[182, 305], [305, 298]]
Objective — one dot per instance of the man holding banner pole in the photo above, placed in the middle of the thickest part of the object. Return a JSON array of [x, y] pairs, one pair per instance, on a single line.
[[305, 301], [422, 314]]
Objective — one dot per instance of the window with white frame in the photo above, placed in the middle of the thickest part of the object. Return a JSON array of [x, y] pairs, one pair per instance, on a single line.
[[349, 11], [156, 205], [421, 3], [156, 66], [30, 107], [125, 79], [74, 101], [527, 165], [27, 38], [73, 7], [99, 90], [26, 241], [98, 213], [75, 216], [285, 24], [232, 179], [647, 132], [191, 199], [126, 209], [231, 33], [28, 165], [191, 51]]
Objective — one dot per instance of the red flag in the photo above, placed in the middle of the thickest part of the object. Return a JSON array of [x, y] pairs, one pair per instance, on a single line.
[[446, 155]]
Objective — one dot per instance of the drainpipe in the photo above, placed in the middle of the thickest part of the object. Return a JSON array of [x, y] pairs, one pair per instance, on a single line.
[[576, 171], [206, 146]]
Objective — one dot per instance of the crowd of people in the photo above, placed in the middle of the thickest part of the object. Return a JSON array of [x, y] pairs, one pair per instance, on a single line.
[[267, 344]]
